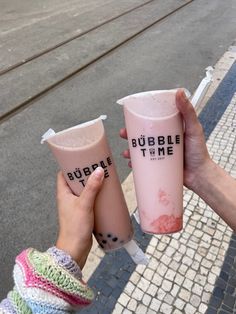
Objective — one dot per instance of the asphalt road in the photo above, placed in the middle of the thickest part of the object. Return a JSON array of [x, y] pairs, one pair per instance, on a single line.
[[173, 52]]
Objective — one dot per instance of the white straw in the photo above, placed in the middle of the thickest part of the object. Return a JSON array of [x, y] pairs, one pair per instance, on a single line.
[[202, 87], [137, 255]]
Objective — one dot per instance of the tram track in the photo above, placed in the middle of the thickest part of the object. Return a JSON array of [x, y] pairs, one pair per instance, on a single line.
[[49, 49], [21, 106]]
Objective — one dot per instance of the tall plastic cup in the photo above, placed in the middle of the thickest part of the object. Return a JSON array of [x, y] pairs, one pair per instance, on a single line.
[[79, 151], [155, 135]]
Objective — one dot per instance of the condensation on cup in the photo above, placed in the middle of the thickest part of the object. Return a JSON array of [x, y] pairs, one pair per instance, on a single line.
[[79, 151], [155, 135]]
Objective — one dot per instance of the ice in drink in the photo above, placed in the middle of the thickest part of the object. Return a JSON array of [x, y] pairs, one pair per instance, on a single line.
[[155, 135], [79, 151]]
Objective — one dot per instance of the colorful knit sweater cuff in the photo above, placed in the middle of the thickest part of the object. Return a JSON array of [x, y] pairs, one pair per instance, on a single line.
[[49, 282]]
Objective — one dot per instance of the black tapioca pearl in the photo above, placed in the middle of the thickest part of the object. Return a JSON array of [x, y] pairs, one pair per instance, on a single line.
[[102, 246], [104, 241], [100, 234], [114, 239], [109, 235]]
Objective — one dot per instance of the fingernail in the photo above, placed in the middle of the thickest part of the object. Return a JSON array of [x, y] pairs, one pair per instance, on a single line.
[[99, 172]]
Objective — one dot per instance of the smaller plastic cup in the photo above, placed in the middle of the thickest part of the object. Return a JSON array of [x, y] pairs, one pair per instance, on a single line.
[[79, 151]]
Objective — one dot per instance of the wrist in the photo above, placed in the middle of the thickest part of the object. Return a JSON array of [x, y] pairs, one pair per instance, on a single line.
[[202, 176], [77, 251]]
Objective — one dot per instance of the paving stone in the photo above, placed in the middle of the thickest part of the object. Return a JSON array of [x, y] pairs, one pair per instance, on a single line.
[[211, 278], [129, 288], [152, 290], [135, 277], [176, 311], [141, 309], [226, 308], [187, 261], [175, 290], [174, 265], [150, 249], [151, 311], [162, 269], [195, 265], [155, 305], [195, 300], [140, 269], [188, 284], [184, 294], [124, 299], [197, 289], [218, 292], [153, 264], [118, 309], [148, 274], [191, 274], [132, 305], [138, 294], [206, 297], [215, 302], [170, 275], [170, 251], [179, 279], [182, 249], [166, 259], [169, 299], [146, 299], [143, 284], [157, 279], [229, 300], [189, 309], [202, 308], [126, 312], [208, 287], [166, 308], [179, 304], [161, 246], [153, 242], [200, 279], [157, 255], [166, 285]]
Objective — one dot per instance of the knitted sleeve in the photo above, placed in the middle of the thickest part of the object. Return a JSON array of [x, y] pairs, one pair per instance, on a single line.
[[49, 282]]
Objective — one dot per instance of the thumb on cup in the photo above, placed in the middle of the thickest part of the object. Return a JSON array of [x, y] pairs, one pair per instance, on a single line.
[[92, 188]]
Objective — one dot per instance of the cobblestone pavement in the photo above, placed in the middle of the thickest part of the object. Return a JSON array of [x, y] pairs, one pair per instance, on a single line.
[[189, 272]]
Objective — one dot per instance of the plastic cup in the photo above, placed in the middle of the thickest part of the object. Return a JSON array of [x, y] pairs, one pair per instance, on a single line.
[[79, 151], [155, 135]]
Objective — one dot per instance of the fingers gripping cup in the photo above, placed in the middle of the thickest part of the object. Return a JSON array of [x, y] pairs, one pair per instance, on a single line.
[[155, 135], [79, 151]]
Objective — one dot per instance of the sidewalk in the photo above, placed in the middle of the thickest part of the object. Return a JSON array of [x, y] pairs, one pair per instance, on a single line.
[[192, 271]]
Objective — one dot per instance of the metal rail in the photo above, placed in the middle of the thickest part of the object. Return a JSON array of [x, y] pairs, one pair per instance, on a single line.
[[44, 92]]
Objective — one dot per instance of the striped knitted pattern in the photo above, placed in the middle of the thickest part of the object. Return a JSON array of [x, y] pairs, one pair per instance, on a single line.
[[19, 304], [36, 297], [6, 307], [48, 282], [40, 270], [64, 260]]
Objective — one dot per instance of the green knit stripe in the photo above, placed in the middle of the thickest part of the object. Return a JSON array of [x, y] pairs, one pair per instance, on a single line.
[[18, 303], [45, 266]]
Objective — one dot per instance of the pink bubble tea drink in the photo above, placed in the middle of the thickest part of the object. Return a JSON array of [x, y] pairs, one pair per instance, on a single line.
[[79, 151], [155, 136]]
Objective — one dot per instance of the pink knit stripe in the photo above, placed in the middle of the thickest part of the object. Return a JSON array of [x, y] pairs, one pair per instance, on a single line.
[[32, 279]]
